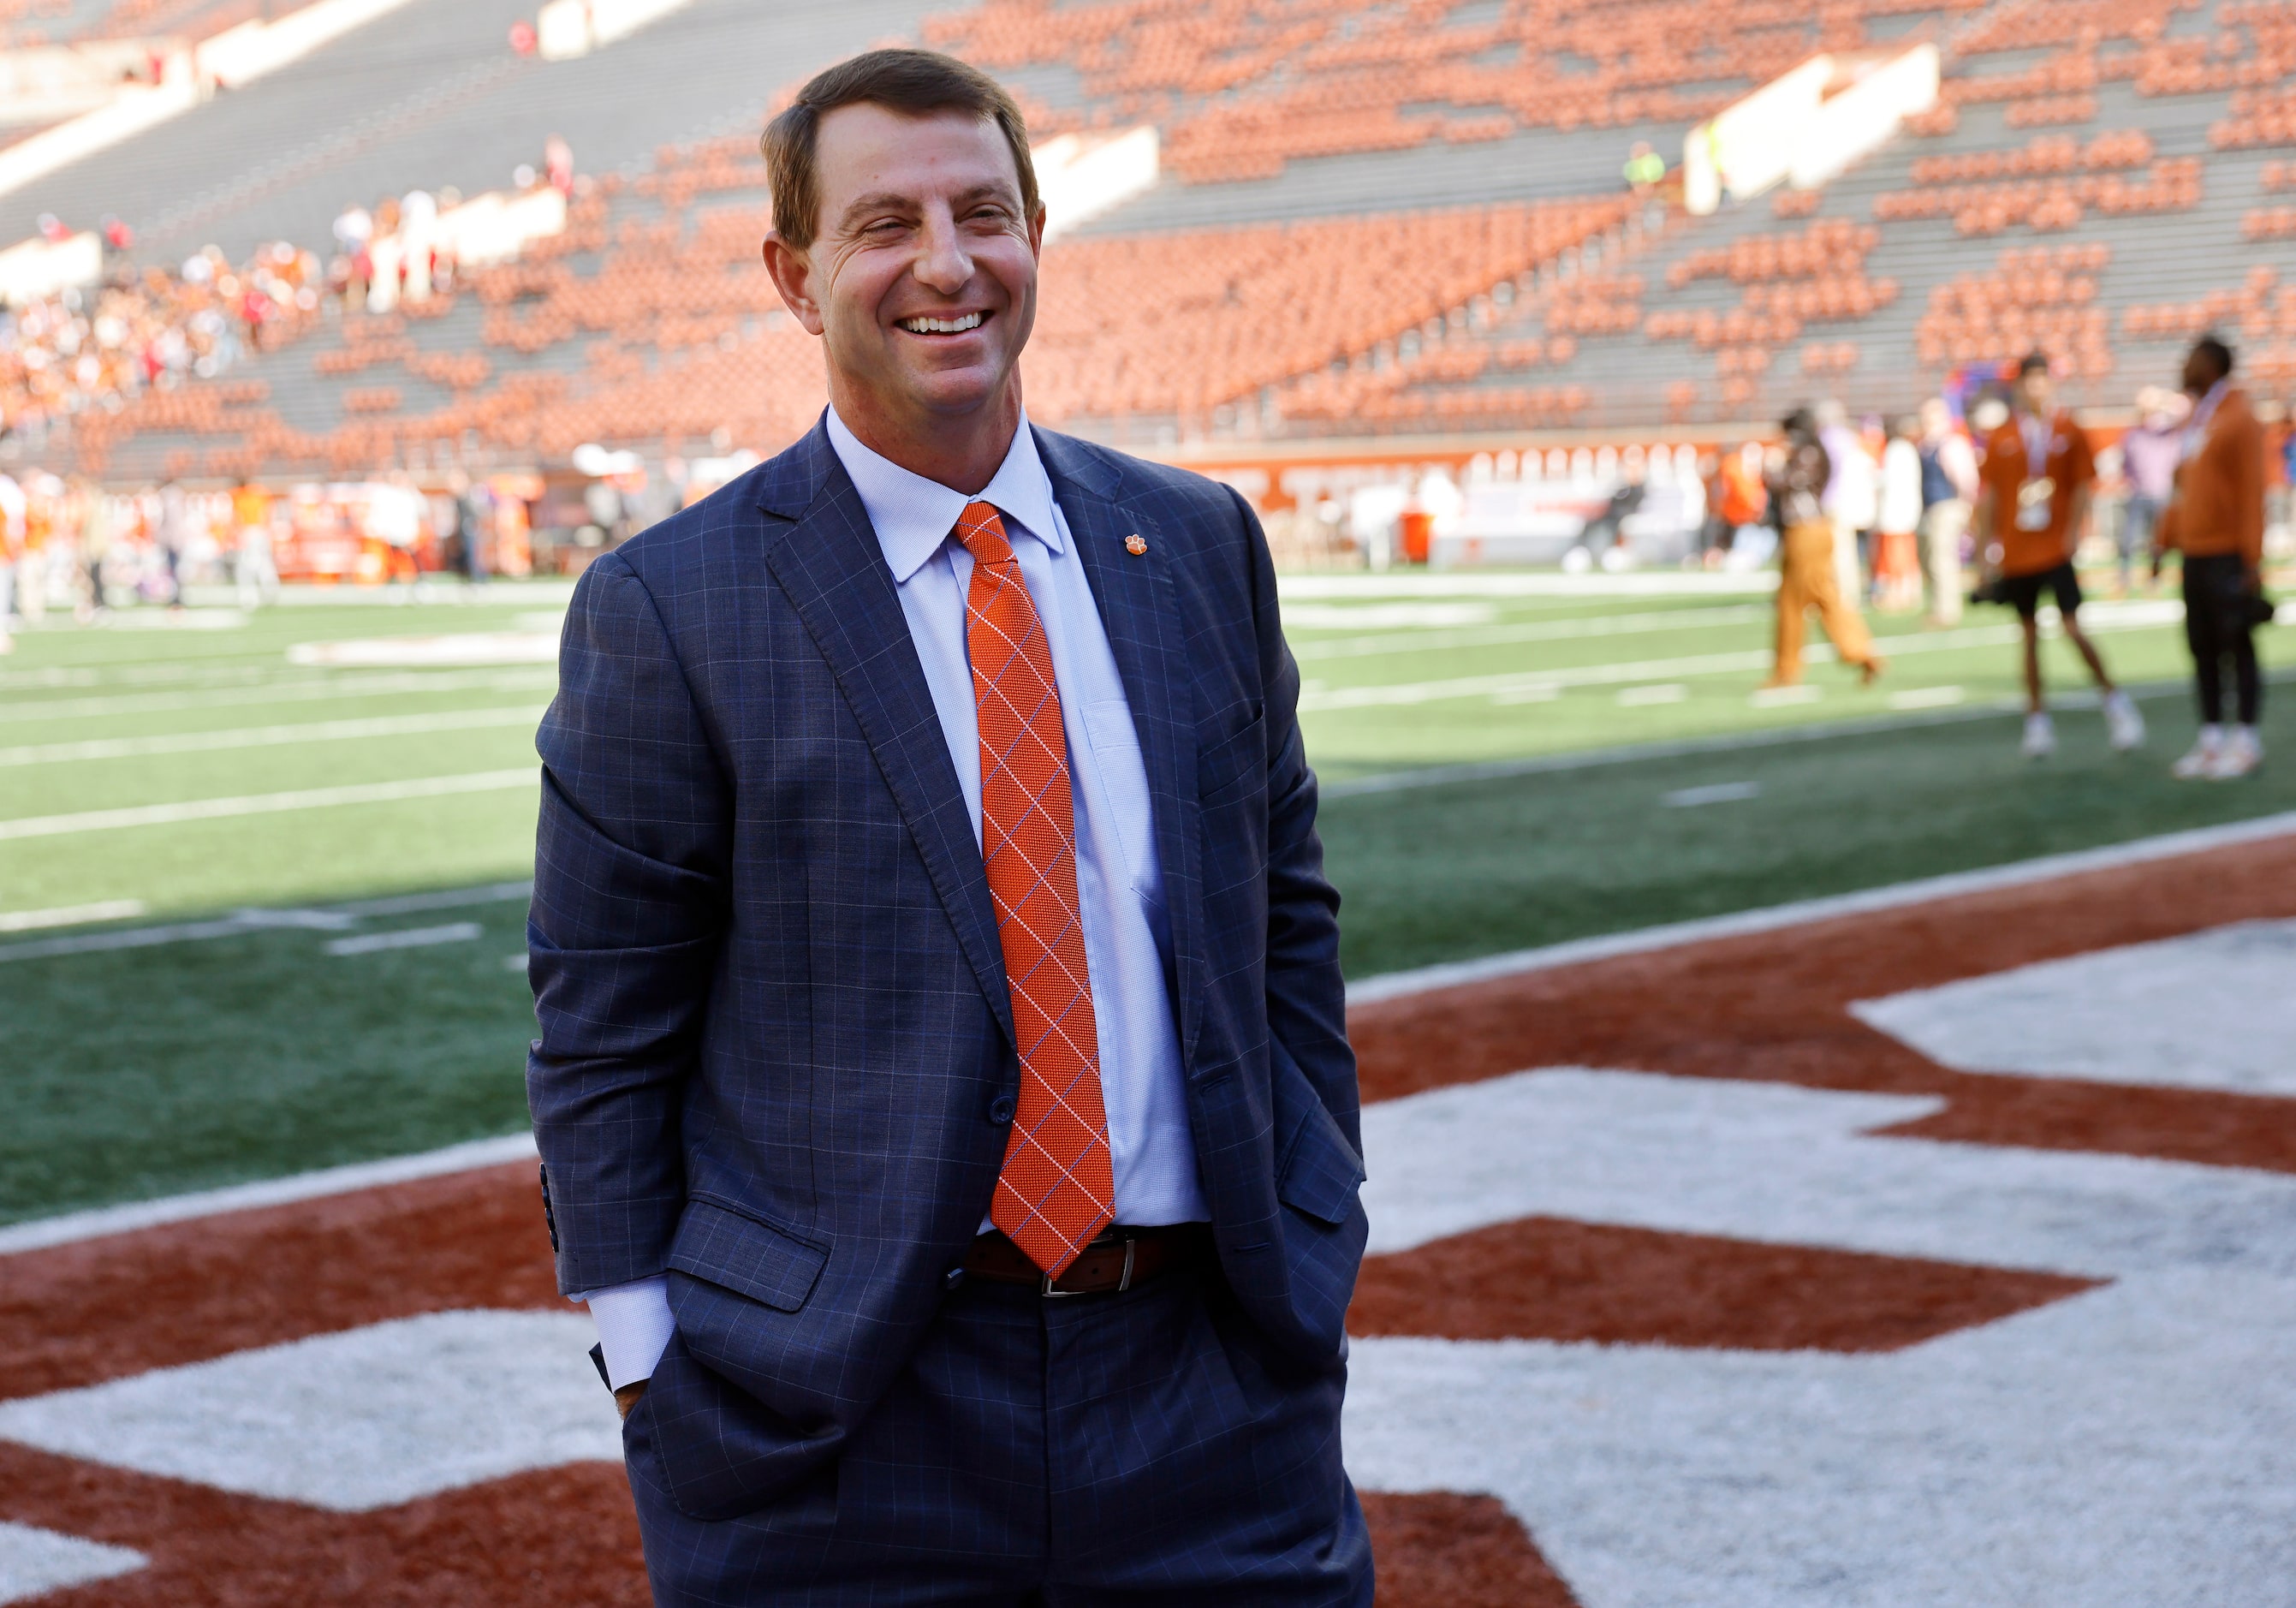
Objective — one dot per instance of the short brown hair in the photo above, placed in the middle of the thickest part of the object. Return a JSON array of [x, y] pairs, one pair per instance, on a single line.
[[915, 83]]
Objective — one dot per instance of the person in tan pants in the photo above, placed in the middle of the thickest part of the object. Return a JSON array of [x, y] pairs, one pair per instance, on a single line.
[[1806, 579]]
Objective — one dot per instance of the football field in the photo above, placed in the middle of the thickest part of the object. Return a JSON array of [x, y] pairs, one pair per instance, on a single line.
[[1816, 1155], [261, 901]]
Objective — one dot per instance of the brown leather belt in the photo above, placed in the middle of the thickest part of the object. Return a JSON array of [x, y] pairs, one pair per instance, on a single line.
[[1119, 1258]]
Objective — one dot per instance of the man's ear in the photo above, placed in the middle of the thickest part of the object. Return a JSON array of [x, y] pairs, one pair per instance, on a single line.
[[1037, 231], [792, 275]]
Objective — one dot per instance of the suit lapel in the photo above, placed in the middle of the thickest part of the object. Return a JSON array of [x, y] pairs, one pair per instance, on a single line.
[[1140, 610], [833, 572]]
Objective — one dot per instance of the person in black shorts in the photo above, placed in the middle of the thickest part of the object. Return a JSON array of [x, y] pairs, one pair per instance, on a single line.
[[2034, 500]]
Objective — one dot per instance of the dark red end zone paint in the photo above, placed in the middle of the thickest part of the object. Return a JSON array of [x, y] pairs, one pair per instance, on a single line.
[[1544, 1278], [1771, 1007]]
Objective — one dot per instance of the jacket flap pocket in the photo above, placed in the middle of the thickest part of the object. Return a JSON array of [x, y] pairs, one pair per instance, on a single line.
[[746, 1256], [1323, 1172], [1233, 757]]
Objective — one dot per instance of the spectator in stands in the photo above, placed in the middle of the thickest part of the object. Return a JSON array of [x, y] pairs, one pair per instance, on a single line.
[[2216, 520], [2040, 474], [2149, 450], [1645, 168], [1948, 487], [1808, 576], [558, 164], [1896, 561], [354, 233]]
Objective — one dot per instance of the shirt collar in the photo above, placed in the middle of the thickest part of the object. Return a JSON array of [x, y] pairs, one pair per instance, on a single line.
[[912, 516]]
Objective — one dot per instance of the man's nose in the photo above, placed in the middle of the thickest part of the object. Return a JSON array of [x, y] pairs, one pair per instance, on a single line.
[[943, 264]]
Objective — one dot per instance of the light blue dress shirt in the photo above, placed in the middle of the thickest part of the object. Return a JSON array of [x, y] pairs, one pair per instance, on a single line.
[[1119, 882]]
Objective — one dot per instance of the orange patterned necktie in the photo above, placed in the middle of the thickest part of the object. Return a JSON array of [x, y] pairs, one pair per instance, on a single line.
[[1057, 1188]]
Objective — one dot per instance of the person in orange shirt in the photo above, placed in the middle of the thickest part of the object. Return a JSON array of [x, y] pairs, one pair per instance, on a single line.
[[2216, 518], [2033, 504]]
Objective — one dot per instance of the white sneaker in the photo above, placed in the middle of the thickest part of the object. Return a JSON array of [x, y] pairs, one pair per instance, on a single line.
[[2040, 737], [2240, 754], [2123, 721], [2199, 759]]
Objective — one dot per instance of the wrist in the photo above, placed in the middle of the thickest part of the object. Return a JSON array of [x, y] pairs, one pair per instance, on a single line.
[[626, 1397]]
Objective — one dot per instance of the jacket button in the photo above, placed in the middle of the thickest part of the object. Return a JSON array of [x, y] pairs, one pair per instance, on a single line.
[[1001, 1108], [953, 1277]]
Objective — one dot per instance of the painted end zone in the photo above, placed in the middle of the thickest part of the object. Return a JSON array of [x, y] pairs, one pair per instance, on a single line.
[[1740, 1270]]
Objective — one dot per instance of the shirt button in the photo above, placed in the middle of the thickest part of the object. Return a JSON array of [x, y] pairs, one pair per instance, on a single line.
[[1001, 1108]]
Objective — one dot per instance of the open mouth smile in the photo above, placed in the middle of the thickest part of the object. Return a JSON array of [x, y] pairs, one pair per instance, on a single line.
[[962, 325]]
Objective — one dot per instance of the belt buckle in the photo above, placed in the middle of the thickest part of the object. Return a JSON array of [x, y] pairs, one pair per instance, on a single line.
[[1123, 1283]]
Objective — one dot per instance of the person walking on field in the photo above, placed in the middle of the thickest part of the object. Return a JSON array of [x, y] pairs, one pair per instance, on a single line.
[[13, 525], [2216, 520], [1948, 487], [943, 1083], [254, 570], [1808, 575], [2039, 473], [1896, 561], [2149, 452]]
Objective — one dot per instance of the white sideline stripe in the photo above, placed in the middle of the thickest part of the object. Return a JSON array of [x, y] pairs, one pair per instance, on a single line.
[[1715, 792], [271, 736], [1396, 985], [240, 923], [70, 916], [1348, 585], [1537, 630], [1659, 669], [343, 685], [1864, 726], [71, 1228], [406, 938], [266, 803], [67, 1229]]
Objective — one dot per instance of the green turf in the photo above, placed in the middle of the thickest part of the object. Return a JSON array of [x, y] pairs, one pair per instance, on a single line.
[[142, 1071], [148, 1071], [1468, 869]]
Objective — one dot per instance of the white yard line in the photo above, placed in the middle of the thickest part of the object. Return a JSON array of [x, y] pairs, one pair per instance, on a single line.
[[1408, 692], [345, 685], [271, 736], [1521, 583], [406, 937], [268, 803], [71, 1228], [329, 918], [1529, 630], [70, 916], [1917, 716]]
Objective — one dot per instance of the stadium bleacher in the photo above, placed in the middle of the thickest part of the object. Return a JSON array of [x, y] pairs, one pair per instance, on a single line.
[[1380, 261]]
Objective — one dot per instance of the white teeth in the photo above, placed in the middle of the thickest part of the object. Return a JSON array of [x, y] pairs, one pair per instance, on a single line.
[[942, 326]]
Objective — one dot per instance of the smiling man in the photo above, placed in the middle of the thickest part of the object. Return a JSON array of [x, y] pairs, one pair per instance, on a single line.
[[943, 1086]]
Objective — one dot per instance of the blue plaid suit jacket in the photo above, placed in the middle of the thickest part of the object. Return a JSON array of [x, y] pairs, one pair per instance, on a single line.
[[771, 997]]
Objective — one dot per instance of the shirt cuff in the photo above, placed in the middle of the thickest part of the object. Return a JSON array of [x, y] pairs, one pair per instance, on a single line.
[[633, 1327]]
